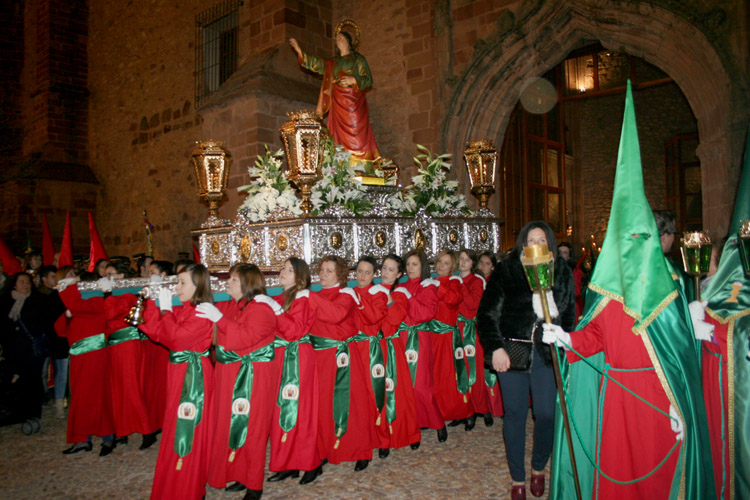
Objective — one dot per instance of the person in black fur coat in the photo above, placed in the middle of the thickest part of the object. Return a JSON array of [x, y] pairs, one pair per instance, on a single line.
[[509, 310]]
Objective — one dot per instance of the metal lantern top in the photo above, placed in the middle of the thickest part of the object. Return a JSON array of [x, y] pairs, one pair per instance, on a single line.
[[696, 239], [696, 253], [539, 266], [303, 137], [481, 162], [211, 162]]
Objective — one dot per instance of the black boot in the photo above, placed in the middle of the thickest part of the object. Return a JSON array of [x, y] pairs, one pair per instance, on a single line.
[[470, 423], [280, 476], [415, 446], [442, 434], [384, 452], [253, 494], [310, 475], [456, 423], [107, 448], [148, 441], [85, 446], [237, 486], [361, 465], [488, 420], [121, 440]]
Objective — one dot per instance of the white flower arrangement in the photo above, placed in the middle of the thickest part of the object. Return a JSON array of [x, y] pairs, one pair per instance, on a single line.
[[430, 188], [269, 190], [339, 186]]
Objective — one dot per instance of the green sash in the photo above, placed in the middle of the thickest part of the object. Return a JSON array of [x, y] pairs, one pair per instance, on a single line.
[[123, 335], [462, 381], [470, 345], [377, 369], [89, 344], [341, 386], [288, 398], [390, 374], [243, 388], [190, 411], [412, 346]]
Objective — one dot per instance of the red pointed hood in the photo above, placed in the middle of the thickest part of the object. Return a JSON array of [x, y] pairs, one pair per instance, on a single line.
[[11, 265], [66, 249], [97, 249]]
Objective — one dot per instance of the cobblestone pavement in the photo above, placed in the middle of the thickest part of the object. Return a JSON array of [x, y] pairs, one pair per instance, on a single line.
[[468, 465]]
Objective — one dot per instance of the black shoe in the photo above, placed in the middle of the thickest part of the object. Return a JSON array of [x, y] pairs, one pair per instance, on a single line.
[[237, 486], [470, 423], [148, 441], [442, 434], [384, 452], [488, 420], [85, 446], [311, 475], [456, 423], [415, 446], [107, 449], [324, 461], [280, 476], [253, 495], [121, 440], [361, 465]]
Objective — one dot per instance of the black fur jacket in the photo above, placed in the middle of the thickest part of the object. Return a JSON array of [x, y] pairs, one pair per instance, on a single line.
[[506, 309]]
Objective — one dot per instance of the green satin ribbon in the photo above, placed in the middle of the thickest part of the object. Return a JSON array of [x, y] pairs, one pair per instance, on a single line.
[[89, 344], [124, 335], [490, 380], [289, 385], [376, 358], [470, 339], [435, 326], [390, 374], [412, 344], [243, 389], [341, 386], [190, 411]]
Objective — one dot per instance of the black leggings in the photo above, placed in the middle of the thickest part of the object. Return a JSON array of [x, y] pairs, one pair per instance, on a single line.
[[515, 388]]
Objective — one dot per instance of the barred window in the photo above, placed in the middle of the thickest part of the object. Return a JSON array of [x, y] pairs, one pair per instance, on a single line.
[[216, 42]]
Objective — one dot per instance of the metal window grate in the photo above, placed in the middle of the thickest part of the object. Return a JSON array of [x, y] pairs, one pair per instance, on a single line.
[[216, 42]]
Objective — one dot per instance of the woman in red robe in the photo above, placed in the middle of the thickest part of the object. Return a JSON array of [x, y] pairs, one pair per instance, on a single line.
[[418, 341], [188, 427], [485, 266], [451, 377], [472, 287], [294, 432], [346, 430], [90, 407], [398, 418], [247, 380]]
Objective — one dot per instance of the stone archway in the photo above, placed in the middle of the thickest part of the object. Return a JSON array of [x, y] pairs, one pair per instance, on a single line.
[[541, 34]]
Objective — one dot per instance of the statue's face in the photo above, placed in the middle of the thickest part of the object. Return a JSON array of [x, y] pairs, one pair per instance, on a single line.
[[342, 43]]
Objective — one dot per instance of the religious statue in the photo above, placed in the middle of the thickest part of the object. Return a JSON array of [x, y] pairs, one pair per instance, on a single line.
[[346, 79]]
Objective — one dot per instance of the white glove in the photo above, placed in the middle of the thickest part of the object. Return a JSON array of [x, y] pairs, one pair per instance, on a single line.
[[456, 278], [703, 330], [303, 293], [429, 281], [165, 299], [207, 310], [676, 423], [376, 289], [351, 292], [554, 334], [65, 282], [265, 299], [105, 284], [68, 314], [403, 290], [156, 278]]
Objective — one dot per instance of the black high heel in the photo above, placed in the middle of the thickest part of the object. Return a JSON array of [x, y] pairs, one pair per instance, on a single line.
[[311, 475], [280, 476], [442, 434]]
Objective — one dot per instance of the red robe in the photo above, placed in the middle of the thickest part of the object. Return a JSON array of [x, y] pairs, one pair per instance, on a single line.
[[181, 330], [154, 380], [634, 437], [125, 361], [472, 287], [334, 318], [453, 404], [243, 330], [422, 307], [714, 368], [90, 407], [491, 383], [298, 450]]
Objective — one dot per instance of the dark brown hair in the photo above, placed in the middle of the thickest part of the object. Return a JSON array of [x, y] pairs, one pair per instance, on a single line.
[[472, 255], [302, 281], [422, 260], [342, 268], [202, 281], [251, 281]]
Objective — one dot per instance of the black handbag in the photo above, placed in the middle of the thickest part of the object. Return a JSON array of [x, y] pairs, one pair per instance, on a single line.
[[519, 352], [39, 341]]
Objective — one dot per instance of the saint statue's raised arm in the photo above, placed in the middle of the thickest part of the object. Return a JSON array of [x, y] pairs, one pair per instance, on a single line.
[[346, 79]]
